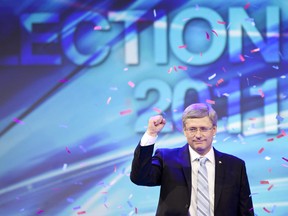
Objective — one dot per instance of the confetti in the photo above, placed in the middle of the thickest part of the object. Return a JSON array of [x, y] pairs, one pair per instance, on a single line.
[[270, 139], [70, 200], [279, 118], [64, 166], [129, 203], [82, 212], [280, 135], [115, 168], [40, 211], [226, 94], [77, 207], [247, 6], [267, 158], [136, 210], [69, 152], [269, 188], [219, 81], [255, 50], [210, 101], [18, 121], [126, 112], [131, 84], [125, 69], [108, 100], [275, 67], [221, 22], [190, 59], [212, 76], [285, 159], [264, 182], [260, 150], [63, 80], [215, 32], [97, 28], [241, 57], [154, 12], [182, 46], [207, 36], [157, 110], [261, 93], [182, 67], [175, 68], [265, 209], [170, 70]]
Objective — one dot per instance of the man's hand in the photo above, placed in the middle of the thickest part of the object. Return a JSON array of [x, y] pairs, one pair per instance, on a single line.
[[155, 125]]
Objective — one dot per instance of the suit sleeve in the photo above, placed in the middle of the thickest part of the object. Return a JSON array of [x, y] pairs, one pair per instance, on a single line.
[[245, 205], [146, 169]]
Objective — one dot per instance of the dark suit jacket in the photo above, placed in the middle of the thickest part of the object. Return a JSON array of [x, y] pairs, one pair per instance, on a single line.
[[171, 169]]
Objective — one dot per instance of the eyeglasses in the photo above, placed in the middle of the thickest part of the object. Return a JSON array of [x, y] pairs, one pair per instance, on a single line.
[[193, 130]]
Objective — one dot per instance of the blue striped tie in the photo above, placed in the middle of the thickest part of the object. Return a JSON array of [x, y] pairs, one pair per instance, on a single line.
[[203, 203]]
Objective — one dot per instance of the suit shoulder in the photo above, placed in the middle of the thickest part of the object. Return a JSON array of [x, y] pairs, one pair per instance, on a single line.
[[231, 157]]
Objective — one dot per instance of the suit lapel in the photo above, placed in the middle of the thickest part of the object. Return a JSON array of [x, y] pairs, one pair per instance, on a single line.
[[186, 165], [219, 176]]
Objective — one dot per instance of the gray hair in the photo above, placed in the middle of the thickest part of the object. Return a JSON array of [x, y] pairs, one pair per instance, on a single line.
[[199, 110]]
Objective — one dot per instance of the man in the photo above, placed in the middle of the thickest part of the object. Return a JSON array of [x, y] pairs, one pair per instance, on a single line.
[[195, 179]]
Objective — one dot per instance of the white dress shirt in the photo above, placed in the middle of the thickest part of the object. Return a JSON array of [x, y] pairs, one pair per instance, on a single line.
[[210, 165]]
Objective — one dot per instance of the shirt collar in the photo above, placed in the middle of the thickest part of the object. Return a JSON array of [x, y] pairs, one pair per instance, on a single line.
[[194, 155]]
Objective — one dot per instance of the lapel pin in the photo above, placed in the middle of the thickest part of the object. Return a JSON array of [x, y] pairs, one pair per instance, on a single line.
[[220, 162]]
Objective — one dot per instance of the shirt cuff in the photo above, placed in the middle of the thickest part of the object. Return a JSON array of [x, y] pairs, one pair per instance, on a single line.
[[148, 140]]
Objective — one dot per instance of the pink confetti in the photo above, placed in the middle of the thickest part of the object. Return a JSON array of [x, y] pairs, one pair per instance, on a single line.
[[255, 50], [269, 188], [270, 139], [285, 159], [221, 22], [136, 210], [18, 121], [115, 168], [170, 70], [126, 112], [82, 212], [40, 211], [207, 36], [97, 28], [247, 6], [63, 80], [241, 58], [175, 68], [261, 93], [182, 67], [215, 32], [264, 182], [157, 110], [219, 81], [131, 84], [208, 84], [210, 101], [69, 152], [108, 100], [182, 46], [260, 150], [265, 209]]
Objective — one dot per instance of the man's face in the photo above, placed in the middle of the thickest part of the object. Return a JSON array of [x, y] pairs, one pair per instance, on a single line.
[[199, 133]]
